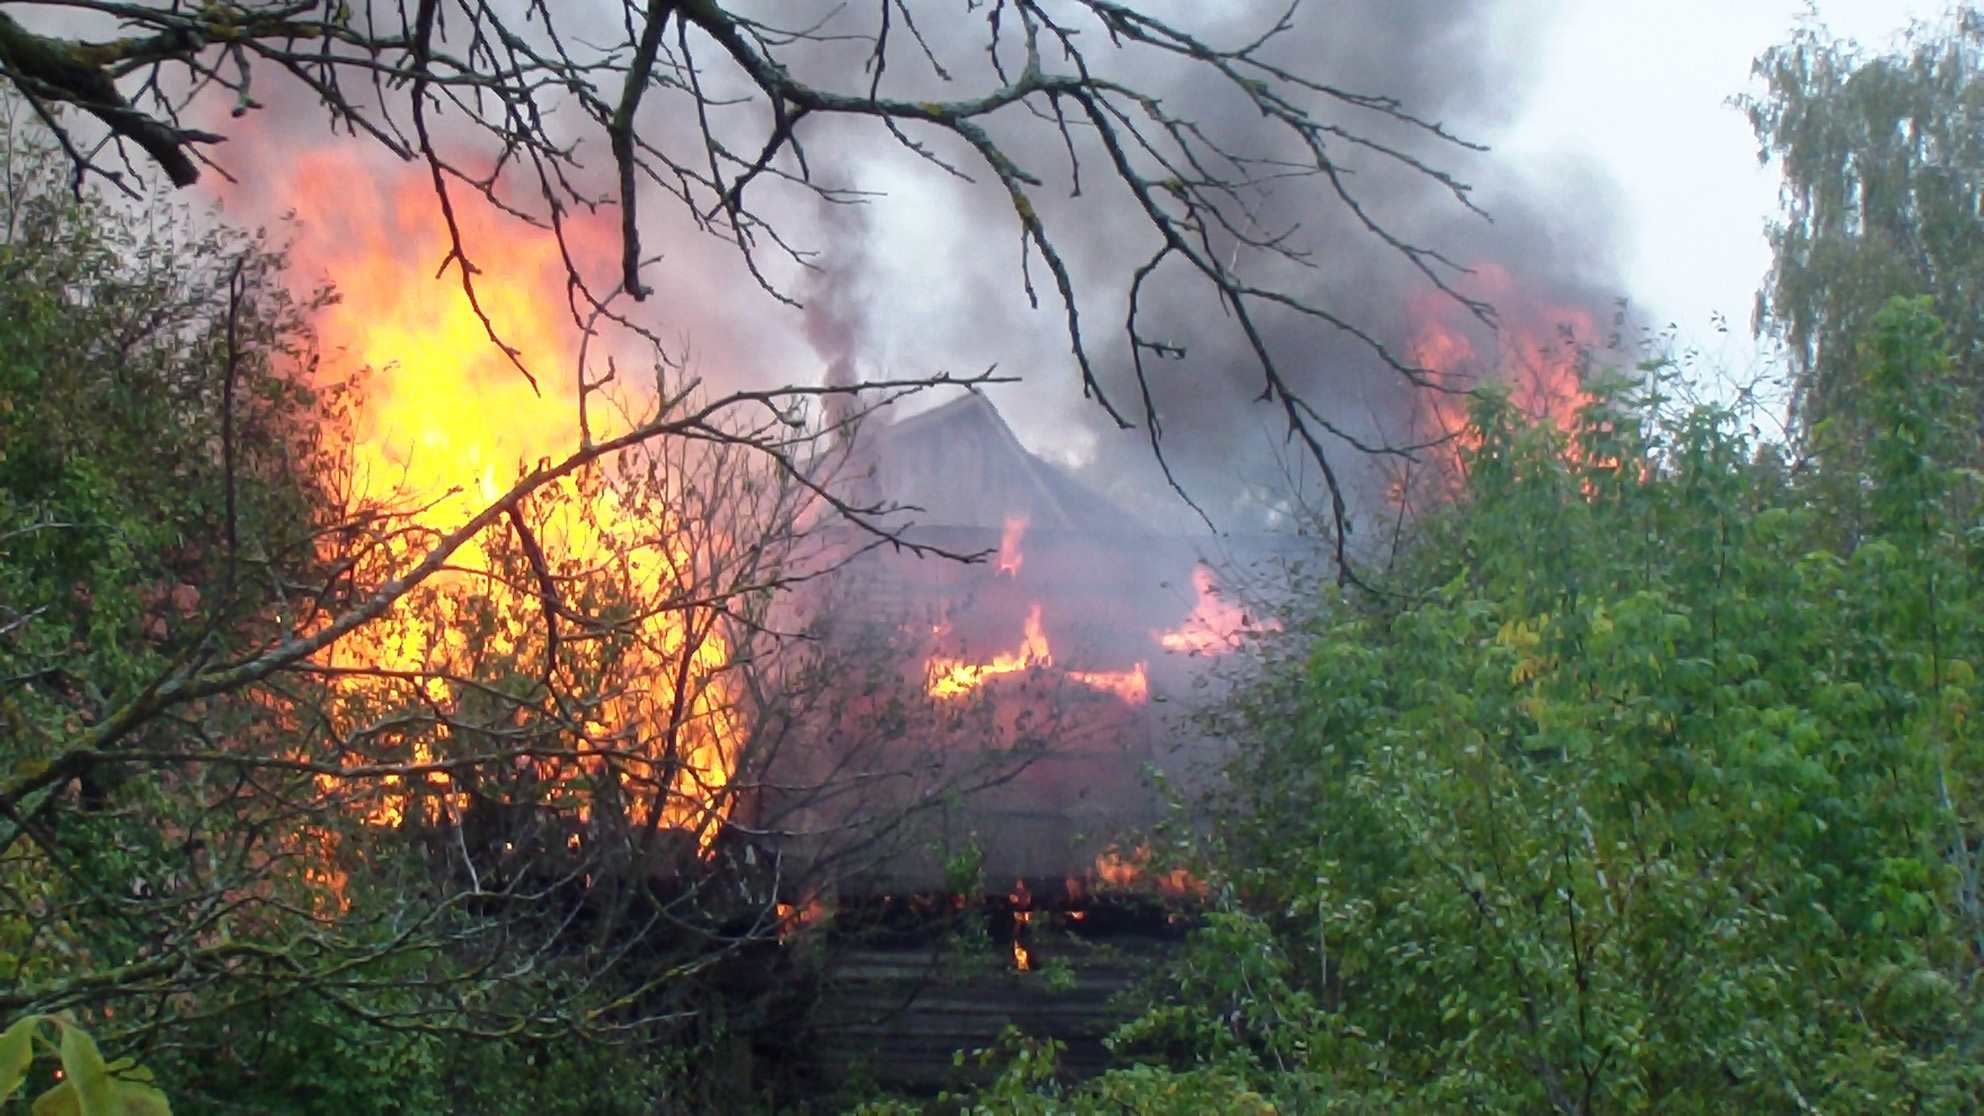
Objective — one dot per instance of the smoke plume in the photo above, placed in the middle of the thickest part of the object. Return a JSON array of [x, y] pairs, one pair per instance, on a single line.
[[927, 273], [940, 272]]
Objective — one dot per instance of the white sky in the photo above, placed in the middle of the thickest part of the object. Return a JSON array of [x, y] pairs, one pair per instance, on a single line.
[[1637, 90]]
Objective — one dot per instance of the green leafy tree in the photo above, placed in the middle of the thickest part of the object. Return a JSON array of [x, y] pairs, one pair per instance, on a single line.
[[1029, 1083], [1644, 787], [89, 1086], [1882, 158]]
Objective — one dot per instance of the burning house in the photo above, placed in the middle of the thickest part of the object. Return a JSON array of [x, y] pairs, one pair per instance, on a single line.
[[1066, 633], [1014, 707], [1043, 669]]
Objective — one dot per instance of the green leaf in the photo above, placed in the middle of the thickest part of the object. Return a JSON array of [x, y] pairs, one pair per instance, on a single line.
[[16, 1051], [135, 1098], [82, 1067], [122, 1098], [59, 1101]]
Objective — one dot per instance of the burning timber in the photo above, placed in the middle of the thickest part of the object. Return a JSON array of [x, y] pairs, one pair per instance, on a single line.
[[1002, 904], [909, 983], [1044, 666], [889, 887], [879, 988]]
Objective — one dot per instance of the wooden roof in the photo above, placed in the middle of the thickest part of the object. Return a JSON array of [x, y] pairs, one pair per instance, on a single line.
[[961, 466]]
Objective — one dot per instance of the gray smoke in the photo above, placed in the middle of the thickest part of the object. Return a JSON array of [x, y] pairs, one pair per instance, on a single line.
[[944, 260], [928, 275], [836, 297]]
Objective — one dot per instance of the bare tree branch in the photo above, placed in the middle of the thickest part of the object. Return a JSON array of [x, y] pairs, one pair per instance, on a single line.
[[498, 75]]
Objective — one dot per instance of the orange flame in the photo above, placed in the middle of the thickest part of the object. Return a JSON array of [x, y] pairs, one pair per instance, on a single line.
[[1114, 870], [1133, 871], [1537, 353], [1010, 558], [950, 678], [448, 422], [1215, 626], [796, 918], [1131, 685], [955, 677]]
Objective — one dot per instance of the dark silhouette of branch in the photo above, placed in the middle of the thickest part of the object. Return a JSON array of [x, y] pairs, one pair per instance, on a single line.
[[394, 72]]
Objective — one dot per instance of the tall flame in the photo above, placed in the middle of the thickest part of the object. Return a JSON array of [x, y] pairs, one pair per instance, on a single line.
[[1010, 556], [449, 421]]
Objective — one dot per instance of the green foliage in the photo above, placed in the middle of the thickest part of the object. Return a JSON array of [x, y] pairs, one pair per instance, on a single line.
[[1882, 156], [162, 462], [89, 1086], [304, 1057], [1652, 783], [1028, 1084], [964, 870]]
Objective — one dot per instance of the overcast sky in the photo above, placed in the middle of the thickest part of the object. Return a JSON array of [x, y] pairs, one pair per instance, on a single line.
[[1637, 90]]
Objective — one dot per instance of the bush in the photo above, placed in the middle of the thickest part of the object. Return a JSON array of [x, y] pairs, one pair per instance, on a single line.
[[1652, 782]]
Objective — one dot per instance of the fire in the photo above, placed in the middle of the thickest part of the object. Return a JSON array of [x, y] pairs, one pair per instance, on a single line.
[[955, 677], [1134, 871], [448, 422], [1131, 685], [1537, 353], [1215, 626], [1112, 869], [796, 918], [1010, 557], [950, 678], [1022, 901]]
